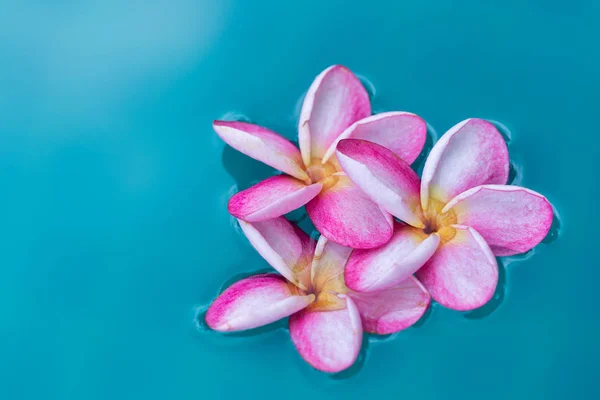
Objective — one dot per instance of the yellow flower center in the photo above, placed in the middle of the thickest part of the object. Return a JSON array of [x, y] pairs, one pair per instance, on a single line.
[[438, 222], [322, 173], [325, 284]]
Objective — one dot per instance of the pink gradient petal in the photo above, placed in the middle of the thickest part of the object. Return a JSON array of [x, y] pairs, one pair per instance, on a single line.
[[264, 145], [344, 213], [335, 100], [384, 177], [394, 309], [511, 219], [386, 266], [255, 301], [470, 154], [463, 272], [284, 246], [271, 198], [328, 340], [401, 132]]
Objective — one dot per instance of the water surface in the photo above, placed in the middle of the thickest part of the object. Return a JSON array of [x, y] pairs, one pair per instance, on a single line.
[[114, 222]]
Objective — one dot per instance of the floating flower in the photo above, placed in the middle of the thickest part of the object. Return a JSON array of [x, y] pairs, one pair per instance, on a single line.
[[327, 320], [458, 217], [336, 106]]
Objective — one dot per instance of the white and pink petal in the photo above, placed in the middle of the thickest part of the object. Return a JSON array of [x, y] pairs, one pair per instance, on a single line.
[[394, 309], [253, 302], [403, 133], [263, 145], [271, 198], [373, 270], [329, 341], [463, 273], [511, 219], [471, 153], [335, 100], [384, 177], [284, 246], [346, 215]]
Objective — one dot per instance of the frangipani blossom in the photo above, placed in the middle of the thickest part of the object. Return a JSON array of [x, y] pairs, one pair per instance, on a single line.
[[336, 106], [459, 216], [327, 320]]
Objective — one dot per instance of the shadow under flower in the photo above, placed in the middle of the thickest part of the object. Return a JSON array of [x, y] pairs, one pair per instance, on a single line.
[[503, 129], [245, 170], [425, 317], [554, 231]]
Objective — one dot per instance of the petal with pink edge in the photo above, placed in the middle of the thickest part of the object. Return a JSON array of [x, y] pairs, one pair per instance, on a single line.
[[470, 154], [394, 309], [384, 177], [387, 266], [335, 100], [284, 246], [346, 215], [271, 198], [463, 273], [263, 145], [255, 301], [401, 132], [329, 340], [511, 219]]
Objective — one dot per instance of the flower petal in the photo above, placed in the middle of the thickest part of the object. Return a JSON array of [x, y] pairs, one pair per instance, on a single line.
[[263, 145], [255, 301], [344, 214], [327, 272], [328, 340], [511, 219], [284, 246], [394, 309], [383, 176], [386, 266], [335, 100], [463, 272], [271, 198], [403, 133], [470, 154]]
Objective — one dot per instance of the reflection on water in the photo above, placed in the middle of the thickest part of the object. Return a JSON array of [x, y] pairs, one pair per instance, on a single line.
[[92, 55], [369, 86]]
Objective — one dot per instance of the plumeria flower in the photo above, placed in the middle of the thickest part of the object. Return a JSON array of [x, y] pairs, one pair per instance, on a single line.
[[458, 217], [336, 106], [327, 320]]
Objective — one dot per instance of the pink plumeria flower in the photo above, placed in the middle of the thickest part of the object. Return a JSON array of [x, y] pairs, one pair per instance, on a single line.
[[459, 217], [326, 319], [336, 106]]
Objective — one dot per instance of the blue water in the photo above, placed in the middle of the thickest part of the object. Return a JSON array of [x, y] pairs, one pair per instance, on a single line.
[[114, 228]]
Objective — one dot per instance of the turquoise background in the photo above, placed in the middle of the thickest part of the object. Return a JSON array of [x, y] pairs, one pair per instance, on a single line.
[[114, 228]]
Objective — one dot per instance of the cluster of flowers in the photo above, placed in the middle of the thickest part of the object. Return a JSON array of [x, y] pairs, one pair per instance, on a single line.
[[368, 271]]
